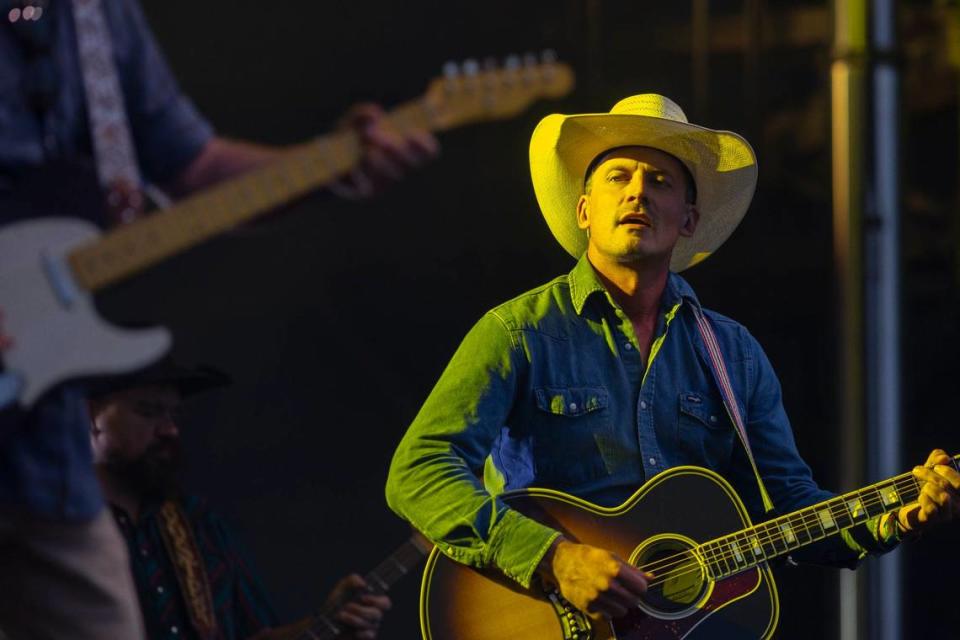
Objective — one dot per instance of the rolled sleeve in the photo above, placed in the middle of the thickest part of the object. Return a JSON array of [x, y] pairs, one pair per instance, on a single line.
[[434, 476]]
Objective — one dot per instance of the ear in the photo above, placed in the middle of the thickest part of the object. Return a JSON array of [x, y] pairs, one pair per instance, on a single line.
[[690, 224], [583, 213], [93, 409]]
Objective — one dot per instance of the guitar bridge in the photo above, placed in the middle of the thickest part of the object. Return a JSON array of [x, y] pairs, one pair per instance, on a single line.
[[574, 624]]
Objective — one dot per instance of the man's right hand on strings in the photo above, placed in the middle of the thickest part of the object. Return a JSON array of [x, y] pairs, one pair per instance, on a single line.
[[592, 579]]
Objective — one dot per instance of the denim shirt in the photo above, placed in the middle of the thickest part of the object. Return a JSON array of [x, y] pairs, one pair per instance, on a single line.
[[550, 390], [167, 130]]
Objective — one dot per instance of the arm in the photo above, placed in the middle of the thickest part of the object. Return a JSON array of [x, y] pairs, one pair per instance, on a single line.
[[387, 157], [788, 478], [433, 480], [433, 483]]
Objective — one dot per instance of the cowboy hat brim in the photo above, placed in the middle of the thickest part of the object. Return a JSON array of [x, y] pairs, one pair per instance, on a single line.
[[722, 164]]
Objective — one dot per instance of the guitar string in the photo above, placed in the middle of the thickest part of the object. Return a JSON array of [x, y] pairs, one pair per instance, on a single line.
[[765, 533], [769, 533], [685, 566]]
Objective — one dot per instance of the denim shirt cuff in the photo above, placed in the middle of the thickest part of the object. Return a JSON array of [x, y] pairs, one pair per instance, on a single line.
[[517, 544]]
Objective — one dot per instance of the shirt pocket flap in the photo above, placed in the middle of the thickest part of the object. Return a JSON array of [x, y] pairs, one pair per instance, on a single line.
[[704, 409], [571, 401]]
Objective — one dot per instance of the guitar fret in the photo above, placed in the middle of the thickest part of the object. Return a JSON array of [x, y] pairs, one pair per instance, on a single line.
[[872, 501], [840, 513], [768, 538], [889, 495], [724, 557], [713, 561]]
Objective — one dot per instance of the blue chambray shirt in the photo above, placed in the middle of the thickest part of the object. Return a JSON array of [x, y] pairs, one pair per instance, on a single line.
[[46, 465], [549, 390]]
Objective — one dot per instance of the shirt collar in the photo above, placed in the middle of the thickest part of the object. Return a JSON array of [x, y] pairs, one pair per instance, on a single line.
[[584, 283]]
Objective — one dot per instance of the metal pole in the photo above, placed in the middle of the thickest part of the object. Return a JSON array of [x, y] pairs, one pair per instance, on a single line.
[[847, 95], [882, 297], [700, 50]]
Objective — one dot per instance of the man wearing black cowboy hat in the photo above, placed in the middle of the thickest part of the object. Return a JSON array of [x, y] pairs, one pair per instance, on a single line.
[[607, 376], [191, 578]]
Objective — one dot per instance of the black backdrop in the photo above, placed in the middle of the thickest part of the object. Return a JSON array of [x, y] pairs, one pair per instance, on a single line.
[[335, 318]]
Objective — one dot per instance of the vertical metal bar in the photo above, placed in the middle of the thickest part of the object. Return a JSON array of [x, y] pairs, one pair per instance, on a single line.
[[700, 51], [753, 45], [882, 298], [847, 93]]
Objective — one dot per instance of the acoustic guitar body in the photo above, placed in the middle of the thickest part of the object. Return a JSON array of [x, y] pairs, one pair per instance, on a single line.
[[659, 525]]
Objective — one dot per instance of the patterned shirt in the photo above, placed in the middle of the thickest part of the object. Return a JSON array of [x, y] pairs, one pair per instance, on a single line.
[[241, 606]]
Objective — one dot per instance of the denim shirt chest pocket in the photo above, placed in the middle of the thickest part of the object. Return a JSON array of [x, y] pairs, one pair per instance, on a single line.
[[568, 422], [705, 432]]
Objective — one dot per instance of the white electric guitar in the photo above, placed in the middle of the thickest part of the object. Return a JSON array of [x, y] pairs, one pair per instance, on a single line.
[[50, 267]]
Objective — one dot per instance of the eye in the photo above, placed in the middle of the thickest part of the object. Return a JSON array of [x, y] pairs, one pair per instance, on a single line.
[[660, 179], [618, 176]]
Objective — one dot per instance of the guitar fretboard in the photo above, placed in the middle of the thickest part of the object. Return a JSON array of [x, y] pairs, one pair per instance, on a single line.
[[381, 578], [132, 248], [745, 549]]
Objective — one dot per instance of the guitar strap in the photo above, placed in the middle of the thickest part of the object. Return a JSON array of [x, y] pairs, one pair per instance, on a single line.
[[190, 570], [729, 399], [113, 149]]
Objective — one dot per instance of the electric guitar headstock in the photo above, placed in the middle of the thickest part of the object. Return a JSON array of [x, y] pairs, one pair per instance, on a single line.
[[475, 91]]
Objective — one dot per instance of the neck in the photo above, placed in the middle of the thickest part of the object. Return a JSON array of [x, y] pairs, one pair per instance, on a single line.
[[119, 493], [636, 286]]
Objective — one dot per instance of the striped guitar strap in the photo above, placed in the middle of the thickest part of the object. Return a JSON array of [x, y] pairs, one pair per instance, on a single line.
[[719, 370], [191, 572], [113, 149]]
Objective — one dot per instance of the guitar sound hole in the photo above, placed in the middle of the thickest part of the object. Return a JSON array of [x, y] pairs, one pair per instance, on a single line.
[[680, 579]]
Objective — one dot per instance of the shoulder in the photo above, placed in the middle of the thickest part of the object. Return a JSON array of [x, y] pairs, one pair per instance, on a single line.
[[736, 341], [531, 308]]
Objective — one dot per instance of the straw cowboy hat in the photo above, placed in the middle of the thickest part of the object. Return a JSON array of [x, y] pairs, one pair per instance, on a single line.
[[722, 163]]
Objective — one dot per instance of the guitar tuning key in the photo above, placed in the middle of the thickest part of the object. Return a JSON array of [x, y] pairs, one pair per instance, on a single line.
[[549, 59], [451, 70], [451, 75], [511, 62], [471, 67], [529, 68]]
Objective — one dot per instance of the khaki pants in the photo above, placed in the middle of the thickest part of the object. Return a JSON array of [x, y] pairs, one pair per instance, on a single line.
[[65, 581]]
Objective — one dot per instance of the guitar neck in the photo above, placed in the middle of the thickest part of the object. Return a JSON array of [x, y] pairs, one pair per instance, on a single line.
[[450, 101], [394, 567], [133, 248], [745, 549]]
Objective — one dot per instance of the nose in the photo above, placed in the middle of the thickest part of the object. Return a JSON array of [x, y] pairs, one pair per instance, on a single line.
[[635, 189]]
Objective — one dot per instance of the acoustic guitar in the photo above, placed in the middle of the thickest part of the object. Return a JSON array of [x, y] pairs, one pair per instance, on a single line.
[[50, 267], [708, 583]]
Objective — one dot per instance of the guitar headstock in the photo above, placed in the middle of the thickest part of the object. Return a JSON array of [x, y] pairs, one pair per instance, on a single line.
[[474, 91]]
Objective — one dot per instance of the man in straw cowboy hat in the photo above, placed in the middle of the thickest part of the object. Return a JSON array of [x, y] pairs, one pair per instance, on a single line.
[[602, 378]]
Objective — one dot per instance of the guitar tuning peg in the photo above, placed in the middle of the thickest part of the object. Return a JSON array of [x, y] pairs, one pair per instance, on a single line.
[[548, 56], [511, 62], [451, 70], [470, 67]]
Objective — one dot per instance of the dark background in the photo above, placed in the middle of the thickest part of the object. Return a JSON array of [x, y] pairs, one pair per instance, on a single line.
[[335, 318]]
